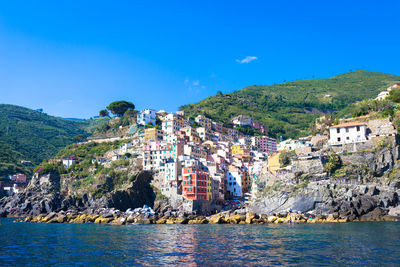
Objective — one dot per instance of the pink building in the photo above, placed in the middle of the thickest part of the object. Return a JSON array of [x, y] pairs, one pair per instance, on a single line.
[[259, 126], [267, 145], [19, 178]]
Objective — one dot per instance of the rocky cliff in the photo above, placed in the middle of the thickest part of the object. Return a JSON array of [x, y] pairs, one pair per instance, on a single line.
[[46, 194], [365, 187]]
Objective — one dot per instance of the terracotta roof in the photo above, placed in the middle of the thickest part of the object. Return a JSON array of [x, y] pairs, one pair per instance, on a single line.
[[348, 124]]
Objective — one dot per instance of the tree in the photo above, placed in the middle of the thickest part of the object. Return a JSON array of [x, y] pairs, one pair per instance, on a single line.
[[394, 95], [333, 163], [79, 137], [130, 112], [104, 113], [285, 158], [120, 107]]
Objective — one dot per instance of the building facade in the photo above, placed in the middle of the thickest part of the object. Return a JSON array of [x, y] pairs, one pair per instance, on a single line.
[[146, 116]]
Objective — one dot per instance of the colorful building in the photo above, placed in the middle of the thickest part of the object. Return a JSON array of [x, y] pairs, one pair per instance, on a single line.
[[240, 149], [195, 184], [153, 134]]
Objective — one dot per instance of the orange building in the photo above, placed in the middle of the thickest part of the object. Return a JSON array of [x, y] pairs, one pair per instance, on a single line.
[[194, 184]]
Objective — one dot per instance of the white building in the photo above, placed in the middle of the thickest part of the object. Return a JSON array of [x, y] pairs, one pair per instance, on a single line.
[[382, 95], [242, 120], [67, 162], [146, 116], [292, 144], [347, 133], [234, 182], [173, 123]]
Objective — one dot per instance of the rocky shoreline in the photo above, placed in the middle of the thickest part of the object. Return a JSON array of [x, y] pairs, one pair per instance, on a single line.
[[137, 216]]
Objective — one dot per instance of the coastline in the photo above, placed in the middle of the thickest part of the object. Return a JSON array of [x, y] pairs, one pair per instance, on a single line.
[[116, 217]]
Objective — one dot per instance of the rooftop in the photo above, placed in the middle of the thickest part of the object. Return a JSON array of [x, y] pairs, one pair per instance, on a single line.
[[348, 124]]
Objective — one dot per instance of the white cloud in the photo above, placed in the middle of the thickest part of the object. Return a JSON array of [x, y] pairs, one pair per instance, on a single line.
[[196, 83], [247, 59]]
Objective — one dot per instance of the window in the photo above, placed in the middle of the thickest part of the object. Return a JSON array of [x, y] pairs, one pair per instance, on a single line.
[[347, 138], [338, 130], [338, 139], [347, 130], [358, 128]]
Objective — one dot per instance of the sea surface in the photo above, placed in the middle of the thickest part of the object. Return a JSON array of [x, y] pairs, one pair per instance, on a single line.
[[344, 244]]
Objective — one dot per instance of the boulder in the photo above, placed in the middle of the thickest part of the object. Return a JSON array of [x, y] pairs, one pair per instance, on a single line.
[[375, 215]]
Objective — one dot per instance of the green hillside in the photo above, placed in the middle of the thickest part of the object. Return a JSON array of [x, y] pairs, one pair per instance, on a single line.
[[29, 135], [288, 109]]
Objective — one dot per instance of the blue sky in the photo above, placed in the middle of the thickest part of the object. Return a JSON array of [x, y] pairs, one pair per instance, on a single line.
[[72, 58]]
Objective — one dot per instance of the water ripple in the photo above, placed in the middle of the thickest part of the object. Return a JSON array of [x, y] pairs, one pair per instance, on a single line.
[[192, 245]]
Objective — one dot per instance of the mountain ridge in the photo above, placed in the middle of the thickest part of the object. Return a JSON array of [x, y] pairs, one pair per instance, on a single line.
[[289, 108], [30, 135]]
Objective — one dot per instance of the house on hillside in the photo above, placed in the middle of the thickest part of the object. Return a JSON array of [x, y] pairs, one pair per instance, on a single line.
[[346, 133], [68, 162], [242, 120], [382, 95], [146, 116]]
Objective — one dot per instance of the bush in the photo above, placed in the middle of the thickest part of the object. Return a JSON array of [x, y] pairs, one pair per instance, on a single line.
[[333, 163]]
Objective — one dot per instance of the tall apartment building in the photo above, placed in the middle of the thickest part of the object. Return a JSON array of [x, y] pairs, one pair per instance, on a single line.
[[204, 122], [195, 183], [173, 123]]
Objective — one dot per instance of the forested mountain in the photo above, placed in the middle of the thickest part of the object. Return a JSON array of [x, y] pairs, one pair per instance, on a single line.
[[288, 109], [30, 135]]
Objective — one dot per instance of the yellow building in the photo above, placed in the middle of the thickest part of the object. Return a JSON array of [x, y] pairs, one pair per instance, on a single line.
[[153, 134], [209, 188], [211, 145], [192, 134], [273, 163], [240, 149]]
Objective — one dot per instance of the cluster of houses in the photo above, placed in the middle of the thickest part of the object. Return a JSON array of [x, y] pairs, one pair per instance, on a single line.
[[206, 162], [14, 184]]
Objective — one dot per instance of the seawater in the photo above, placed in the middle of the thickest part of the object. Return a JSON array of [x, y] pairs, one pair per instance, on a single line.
[[344, 244]]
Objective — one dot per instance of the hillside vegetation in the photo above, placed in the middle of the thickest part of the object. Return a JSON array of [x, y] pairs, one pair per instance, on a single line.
[[33, 136], [288, 109]]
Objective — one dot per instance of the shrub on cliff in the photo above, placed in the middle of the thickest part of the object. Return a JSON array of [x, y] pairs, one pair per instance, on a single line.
[[333, 163], [51, 167]]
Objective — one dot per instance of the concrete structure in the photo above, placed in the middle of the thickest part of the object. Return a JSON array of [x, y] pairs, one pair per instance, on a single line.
[[146, 116], [347, 133]]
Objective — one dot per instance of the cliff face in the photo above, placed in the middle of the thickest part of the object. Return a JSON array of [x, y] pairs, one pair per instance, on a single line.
[[365, 187], [43, 196]]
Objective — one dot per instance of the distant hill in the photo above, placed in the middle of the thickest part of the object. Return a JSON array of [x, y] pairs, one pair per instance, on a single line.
[[30, 135], [288, 109]]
